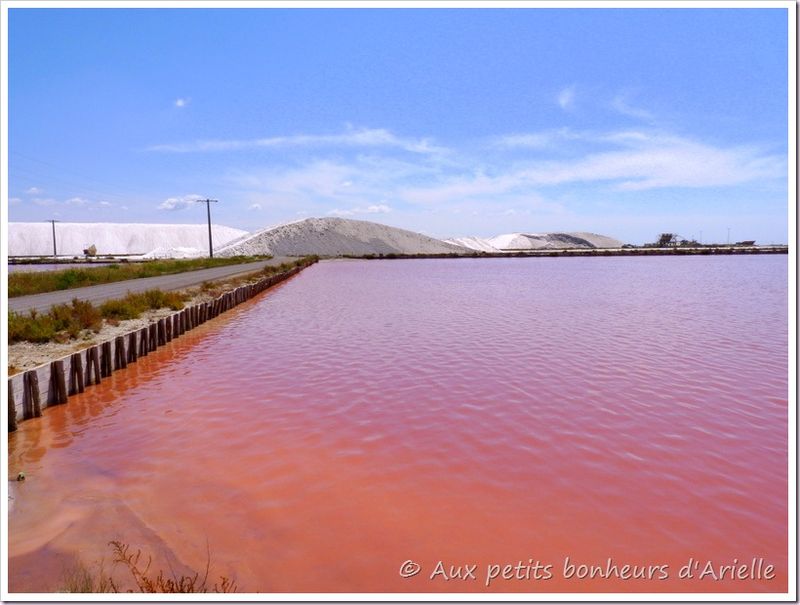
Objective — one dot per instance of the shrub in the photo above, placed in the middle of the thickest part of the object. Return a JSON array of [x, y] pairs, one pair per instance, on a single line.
[[119, 309]]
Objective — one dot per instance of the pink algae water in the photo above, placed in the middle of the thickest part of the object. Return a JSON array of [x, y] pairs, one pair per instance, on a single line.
[[368, 418]]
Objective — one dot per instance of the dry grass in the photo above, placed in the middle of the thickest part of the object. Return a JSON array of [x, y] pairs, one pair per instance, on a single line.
[[79, 579]]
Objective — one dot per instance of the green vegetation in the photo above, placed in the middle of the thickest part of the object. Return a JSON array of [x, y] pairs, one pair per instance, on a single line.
[[80, 579], [36, 282], [63, 322], [60, 323], [133, 305]]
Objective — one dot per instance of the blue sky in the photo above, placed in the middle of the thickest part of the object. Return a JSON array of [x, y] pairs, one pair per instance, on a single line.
[[626, 122]]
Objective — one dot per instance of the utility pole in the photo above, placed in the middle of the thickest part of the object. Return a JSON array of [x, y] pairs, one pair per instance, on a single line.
[[208, 203], [53, 223]]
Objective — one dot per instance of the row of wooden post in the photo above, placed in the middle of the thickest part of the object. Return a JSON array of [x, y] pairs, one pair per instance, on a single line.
[[107, 357]]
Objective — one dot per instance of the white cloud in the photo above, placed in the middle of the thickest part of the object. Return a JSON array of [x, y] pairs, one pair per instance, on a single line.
[[34, 191], [566, 98], [490, 181], [364, 137], [14, 200], [179, 203], [255, 206], [104, 204], [182, 102], [620, 105], [659, 162], [76, 201], [540, 140], [372, 209]]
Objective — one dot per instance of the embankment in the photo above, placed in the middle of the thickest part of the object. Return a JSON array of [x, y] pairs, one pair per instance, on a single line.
[[53, 383]]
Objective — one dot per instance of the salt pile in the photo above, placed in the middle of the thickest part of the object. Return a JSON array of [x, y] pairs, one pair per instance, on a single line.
[[473, 243], [36, 239], [552, 241], [334, 237], [175, 253]]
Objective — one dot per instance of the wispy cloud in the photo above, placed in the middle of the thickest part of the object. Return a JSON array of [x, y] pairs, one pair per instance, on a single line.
[[255, 206], [621, 105], [180, 202], [14, 200], [372, 209], [182, 102], [541, 140], [566, 98], [374, 137], [661, 161], [34, 191]]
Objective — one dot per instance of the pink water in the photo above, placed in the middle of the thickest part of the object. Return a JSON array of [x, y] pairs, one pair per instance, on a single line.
[[475, 412]]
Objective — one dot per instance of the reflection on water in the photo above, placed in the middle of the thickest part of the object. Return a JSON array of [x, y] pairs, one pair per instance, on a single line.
[[478, 412]]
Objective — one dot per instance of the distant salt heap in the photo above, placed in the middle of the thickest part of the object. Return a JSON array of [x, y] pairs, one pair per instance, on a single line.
[[324, 236], [552, 241], [175, 253], [473, 243], [36, 239], [335, 237]]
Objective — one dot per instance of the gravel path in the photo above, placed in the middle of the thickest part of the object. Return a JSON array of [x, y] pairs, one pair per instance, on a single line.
[[99, 294]]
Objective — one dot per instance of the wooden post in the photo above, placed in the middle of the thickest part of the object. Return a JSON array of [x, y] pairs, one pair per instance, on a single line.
[[162, 333], [58, 384], [106, 363], [176, 325], [132, 352], [31, 407], [75, 374], [12, 409], [92, 366], [144, 340], [153, 330], [120, 359]]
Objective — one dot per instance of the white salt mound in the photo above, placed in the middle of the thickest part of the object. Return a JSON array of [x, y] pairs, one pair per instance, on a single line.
[[336, 236], [473, 243], [175, 253], [552, 241], [36, 239]]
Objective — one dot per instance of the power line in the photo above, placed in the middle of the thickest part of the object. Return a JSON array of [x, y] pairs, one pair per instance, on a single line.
[[71, 173]]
